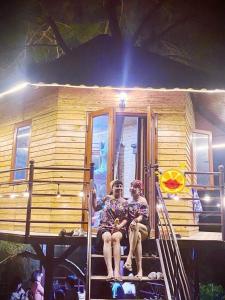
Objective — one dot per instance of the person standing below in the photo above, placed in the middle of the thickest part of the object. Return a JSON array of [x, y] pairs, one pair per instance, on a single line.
[[139, 228], [37, 290], [112, 227], [71, 290], [18, 292]]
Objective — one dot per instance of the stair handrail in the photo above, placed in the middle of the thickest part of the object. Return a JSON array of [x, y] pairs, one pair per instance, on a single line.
[[178, 285]]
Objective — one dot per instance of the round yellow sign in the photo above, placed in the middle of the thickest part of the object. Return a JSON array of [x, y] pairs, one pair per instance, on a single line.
[[172, 181]]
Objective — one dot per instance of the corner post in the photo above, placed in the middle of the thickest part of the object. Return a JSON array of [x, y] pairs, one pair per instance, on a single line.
[[222, 202], [89, 234], [30, 191]]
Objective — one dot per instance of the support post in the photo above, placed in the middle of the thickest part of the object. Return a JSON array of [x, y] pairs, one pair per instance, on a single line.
[[49, 268], [222, 202], [89, 235], [29, 201]]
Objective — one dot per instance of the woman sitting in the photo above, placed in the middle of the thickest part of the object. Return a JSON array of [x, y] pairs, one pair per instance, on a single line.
[[139, 228], [112, 227]]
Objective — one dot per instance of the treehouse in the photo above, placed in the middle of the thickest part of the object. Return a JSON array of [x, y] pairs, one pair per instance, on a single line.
[[123, 132], [59, 141]]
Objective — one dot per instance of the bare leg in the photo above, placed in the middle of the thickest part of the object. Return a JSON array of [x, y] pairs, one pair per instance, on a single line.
[[133, 238], [116, 238], [107, 252], [138, 257]]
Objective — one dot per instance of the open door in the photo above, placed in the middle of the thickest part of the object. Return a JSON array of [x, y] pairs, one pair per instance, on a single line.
[[100, 141], [152, 160]]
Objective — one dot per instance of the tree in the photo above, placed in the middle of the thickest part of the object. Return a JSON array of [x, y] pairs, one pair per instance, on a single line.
[[191, 32]]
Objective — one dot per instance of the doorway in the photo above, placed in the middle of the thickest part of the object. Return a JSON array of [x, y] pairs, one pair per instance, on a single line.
[[121, 146]]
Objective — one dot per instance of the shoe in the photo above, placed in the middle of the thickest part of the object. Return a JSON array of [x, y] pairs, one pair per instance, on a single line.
[[152, 275], [62, 232], [159, 276]]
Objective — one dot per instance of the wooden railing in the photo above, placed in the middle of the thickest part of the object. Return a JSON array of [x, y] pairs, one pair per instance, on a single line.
[[29, 189], [215, 209], [176, 282]]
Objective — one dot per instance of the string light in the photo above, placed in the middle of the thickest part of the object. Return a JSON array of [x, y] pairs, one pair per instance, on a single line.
[[81, 194], [159, 206], [26, 194], [218, 204], [207, 198], [13, 196], [176, 198], [58, 192]]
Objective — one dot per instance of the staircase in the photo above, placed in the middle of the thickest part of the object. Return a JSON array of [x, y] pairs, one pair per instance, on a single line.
[[162, 256]]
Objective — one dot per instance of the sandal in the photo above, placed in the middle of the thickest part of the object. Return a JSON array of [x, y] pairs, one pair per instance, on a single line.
[[128, 267], [139, 277], [118, 278], [109, 278], [152, 276]]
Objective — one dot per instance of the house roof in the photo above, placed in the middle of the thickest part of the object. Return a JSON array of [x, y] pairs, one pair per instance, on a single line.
[[102, 62]]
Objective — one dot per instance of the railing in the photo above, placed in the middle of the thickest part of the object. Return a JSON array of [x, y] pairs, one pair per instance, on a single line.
[[28, 190], [176, 282], [217, 207]]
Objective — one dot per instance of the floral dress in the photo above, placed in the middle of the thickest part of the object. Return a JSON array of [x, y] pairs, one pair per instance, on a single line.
[[113, 211], [136, 209]]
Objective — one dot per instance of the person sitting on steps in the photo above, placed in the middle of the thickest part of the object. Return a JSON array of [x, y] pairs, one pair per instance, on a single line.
[[138, 226], [112, 227]]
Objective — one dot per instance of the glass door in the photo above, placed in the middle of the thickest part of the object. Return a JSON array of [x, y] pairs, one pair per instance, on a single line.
[[99, 151], [130, 149]]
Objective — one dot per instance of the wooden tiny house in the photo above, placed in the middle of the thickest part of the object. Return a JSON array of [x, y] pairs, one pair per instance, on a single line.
[[157, 128]]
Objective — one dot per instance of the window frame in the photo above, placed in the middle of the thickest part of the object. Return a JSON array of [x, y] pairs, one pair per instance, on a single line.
[[14, 148], [210, 155]]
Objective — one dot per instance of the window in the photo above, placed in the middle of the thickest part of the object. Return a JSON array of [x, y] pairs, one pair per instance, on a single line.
[[21, 150], [202, 156]]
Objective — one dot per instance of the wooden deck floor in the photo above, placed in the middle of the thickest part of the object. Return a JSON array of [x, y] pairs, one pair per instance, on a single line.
[[204, 236], [18, 236]]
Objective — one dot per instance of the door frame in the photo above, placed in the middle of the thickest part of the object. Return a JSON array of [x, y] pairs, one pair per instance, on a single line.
[[152, 158], [88, 155]]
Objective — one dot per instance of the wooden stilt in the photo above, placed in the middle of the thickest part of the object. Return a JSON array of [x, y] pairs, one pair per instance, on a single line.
[[49, 268]]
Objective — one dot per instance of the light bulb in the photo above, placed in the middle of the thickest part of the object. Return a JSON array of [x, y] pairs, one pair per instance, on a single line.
[[81, 194]]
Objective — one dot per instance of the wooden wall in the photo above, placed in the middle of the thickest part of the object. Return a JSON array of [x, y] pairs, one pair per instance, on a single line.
[[174, 128], [59, 130], [40, 107]]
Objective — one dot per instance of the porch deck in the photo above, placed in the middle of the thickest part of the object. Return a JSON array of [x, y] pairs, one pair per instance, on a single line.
[[205, 236], [19, 237]]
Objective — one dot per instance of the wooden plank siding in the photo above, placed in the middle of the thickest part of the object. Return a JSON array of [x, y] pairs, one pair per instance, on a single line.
[[59, 135], [173, 128]]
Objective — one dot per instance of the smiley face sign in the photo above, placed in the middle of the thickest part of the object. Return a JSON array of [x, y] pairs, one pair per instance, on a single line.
[[172, 181]]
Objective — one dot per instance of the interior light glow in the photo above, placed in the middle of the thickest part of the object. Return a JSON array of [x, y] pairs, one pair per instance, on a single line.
[[207, 198], [218, 146], [218, 204], [16, 88], [176, 197], [215, 146]]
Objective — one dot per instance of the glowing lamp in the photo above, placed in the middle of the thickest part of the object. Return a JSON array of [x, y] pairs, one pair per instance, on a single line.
[[81, 194], [123, 99], [207, 198]]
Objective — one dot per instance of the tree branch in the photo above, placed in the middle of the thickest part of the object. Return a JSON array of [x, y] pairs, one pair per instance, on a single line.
[[54, 28], [157, 37], [150, 13], [113, 20]]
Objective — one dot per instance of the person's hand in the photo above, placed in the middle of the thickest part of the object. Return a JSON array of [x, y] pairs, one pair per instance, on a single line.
[[116, 227], [133, 224]]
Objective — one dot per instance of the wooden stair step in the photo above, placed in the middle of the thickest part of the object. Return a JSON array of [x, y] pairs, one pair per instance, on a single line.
[[125, 256], [124, 278]]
